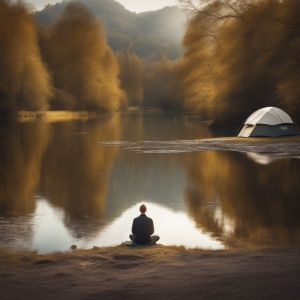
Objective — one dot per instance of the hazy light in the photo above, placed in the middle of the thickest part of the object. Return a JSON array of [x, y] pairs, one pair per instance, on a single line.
[[132, 5], [40, 4], [145, 5], [174, 228]]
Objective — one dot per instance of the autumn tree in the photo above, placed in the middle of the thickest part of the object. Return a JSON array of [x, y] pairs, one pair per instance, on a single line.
[[24, 80], [131, 77], [84, 68], [162, 85], [241, 56]]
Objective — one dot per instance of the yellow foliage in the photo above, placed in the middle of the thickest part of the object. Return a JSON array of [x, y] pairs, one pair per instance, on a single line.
[[131, 77], [241, 56], [83, 66], [24, 80]]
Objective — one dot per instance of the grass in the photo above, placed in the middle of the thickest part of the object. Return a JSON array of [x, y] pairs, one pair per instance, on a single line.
[[108, 254]]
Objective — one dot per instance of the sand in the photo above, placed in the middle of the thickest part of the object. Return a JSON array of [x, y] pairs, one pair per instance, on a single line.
[[288, 146], [156, 272]]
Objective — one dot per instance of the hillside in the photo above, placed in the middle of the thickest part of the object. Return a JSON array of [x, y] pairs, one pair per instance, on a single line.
[[151, 34]]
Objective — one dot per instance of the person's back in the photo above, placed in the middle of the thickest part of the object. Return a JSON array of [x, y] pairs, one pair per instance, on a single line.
[[143, 228]]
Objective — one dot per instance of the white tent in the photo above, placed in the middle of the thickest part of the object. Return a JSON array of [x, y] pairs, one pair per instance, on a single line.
[[268, 121]]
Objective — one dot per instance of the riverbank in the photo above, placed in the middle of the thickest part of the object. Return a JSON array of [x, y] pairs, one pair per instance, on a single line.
[[288, 146], [64, 115], [50, 115], [157, 272]]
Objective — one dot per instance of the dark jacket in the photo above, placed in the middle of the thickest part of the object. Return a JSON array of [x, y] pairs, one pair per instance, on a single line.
[[142, 228]]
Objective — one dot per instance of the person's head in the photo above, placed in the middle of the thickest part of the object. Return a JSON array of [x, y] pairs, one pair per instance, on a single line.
[[143, 208]]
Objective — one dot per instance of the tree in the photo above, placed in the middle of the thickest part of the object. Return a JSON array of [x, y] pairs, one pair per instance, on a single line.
[[163, 89], [84, 68], [131, 77], [241, 56], [24, 80]]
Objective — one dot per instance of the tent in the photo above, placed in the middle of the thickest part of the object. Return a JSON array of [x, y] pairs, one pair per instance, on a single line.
[[268, 121]]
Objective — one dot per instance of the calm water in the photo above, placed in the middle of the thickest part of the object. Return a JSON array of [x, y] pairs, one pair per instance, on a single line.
[[61, 185]]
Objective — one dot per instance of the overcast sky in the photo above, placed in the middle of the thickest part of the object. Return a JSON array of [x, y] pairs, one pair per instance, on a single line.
[[132, 5]]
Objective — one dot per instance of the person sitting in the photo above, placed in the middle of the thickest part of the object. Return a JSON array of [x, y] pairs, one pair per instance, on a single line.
[[143, 228]]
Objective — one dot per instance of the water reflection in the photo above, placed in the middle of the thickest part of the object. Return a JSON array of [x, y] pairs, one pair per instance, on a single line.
[[75, 170], [261, 158], [52, 235], [59, 186], [243, 202], [266, 158], [22, 149], [16, 231], [174, 228]]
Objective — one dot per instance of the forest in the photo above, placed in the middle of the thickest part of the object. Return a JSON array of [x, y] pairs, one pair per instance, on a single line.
[[238, 56]]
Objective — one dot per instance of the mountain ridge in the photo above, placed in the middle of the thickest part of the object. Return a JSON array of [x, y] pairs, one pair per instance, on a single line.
[[152, 34]]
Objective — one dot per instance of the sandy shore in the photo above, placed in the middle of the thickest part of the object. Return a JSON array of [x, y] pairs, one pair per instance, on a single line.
[[288, 145], [156, 272], [282, 146]]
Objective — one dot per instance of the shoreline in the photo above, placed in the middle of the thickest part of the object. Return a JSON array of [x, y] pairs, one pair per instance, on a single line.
[[162, 272], [67, 115], [56, 115], [281, 146], [8, 255]]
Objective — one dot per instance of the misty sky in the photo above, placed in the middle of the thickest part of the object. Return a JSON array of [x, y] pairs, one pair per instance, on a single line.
[[132, 5]]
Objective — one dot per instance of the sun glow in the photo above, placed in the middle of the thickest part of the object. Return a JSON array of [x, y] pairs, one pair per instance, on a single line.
[[144, 5]]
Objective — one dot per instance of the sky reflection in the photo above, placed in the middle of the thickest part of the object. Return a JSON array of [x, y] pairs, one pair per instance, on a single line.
[[59, 188], [50, 233], [174, 228]]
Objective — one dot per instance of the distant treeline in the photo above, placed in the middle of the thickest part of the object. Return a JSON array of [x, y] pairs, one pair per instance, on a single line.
[[150, 84], [239, 56]]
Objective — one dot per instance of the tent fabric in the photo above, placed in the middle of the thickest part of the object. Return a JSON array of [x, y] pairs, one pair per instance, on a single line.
[[268, 121], [246, 131], [270, 116], [275, 130]]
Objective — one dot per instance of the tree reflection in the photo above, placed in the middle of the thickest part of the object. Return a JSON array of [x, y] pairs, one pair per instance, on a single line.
[[21, 152], [243, 202], [76, 170]]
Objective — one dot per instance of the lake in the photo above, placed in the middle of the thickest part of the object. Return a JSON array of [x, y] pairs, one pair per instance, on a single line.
[[81, 182]]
